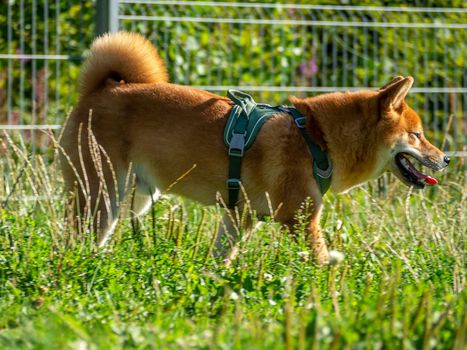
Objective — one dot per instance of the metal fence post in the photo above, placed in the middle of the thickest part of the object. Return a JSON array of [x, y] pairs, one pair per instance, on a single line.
[[106, 16]]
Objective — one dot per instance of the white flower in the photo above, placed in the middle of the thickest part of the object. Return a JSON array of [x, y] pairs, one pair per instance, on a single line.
[[304, 256], [335, 257], [267, 276], [339, 225], [233, 296]]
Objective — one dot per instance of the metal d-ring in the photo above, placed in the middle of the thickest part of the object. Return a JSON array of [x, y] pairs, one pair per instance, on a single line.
[[326, 173]]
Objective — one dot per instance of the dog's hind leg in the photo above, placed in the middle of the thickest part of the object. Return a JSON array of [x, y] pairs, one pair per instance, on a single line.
[[230, 235], [227, 237], [96, 210], [145, 192], [97, 190], [143, 200]]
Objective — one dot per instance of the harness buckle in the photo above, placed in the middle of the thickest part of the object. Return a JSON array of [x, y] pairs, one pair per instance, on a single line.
[[300, 122], [324, 173], [233, 184], [237, 144]]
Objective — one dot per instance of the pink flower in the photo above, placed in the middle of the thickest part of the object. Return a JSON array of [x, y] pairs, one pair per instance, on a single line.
[[308, 69]]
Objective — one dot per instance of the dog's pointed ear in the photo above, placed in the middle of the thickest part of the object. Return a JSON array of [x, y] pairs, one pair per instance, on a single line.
[[300, 104], [393, 81], [394, 94]]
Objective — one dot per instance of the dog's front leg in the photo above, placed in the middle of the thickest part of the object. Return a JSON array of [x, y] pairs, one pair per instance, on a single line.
[[315, 239]]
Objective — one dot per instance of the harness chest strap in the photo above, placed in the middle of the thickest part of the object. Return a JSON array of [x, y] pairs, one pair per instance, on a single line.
[[322, 165], [245, 120]]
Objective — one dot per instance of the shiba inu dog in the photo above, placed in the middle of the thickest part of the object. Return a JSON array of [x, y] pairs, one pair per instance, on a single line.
[[131, 123]]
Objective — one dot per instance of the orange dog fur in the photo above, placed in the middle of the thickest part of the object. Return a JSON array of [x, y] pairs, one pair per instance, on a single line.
[[131, 122]]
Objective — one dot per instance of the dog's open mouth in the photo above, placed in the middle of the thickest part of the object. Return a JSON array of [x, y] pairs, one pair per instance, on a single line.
[[410, 174]]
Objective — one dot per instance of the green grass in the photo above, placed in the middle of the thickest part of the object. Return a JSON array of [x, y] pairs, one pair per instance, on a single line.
[[401, 285]]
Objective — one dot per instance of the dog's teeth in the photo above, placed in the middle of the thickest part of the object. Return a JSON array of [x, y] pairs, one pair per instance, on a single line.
[[405, 162]]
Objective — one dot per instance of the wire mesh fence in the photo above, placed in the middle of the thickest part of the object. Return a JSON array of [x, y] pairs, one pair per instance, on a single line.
[[41, 48], [269, 50]]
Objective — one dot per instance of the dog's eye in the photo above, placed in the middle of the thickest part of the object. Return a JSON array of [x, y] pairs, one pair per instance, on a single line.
[[417, 135]]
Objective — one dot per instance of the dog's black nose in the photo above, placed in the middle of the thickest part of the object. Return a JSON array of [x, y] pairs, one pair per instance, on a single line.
[[447, 159]]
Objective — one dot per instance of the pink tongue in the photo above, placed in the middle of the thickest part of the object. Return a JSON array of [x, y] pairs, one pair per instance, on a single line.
[[431, 180], [428, 179]]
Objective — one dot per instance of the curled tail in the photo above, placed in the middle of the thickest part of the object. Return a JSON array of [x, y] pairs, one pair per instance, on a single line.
[[121, 56]]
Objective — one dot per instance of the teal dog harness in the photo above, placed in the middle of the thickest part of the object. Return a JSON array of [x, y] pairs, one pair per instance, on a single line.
[[245, 120]]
